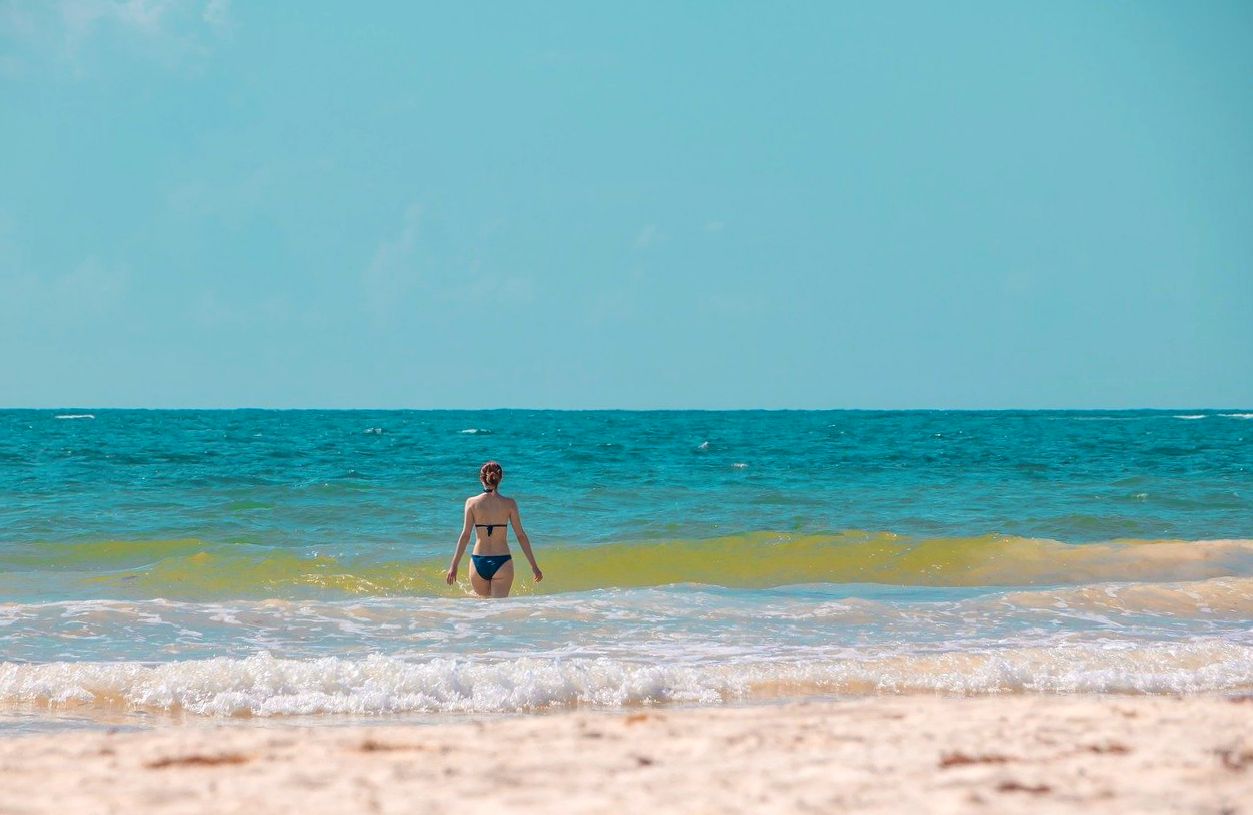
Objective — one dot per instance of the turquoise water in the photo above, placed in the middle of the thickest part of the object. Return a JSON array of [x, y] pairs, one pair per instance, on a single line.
[[271, 563]]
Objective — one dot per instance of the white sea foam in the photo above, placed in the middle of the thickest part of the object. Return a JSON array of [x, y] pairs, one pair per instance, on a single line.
[[1193, 416], [1237, 415], [476, 431], [262, 685], [75, 416]]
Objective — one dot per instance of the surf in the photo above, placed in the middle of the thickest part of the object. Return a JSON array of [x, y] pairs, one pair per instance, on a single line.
[[263, 685], [198, 569]]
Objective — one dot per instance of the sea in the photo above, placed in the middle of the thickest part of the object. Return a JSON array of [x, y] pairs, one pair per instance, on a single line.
[[161, 567]]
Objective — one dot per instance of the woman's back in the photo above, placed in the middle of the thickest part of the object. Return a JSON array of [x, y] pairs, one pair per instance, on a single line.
[[491, 512]]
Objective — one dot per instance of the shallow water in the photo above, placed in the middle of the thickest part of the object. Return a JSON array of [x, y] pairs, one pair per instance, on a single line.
[[280, 563]]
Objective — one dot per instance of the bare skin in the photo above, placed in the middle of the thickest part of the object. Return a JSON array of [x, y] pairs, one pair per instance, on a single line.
[[499, 511]]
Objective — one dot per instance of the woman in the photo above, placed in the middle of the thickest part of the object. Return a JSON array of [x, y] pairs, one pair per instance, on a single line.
[[489, 515]]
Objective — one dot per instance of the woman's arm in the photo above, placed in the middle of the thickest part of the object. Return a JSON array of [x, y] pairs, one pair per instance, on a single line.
[[451, 577], [524, 541]]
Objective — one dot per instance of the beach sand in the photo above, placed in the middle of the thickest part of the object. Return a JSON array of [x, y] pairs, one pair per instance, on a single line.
[[878, 754]]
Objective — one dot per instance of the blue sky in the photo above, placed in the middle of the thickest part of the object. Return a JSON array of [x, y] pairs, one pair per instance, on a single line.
[[705, 204]]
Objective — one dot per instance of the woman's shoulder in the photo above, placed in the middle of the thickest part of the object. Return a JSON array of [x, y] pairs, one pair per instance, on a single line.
[[507, 501], [475, 500], [487, 496]]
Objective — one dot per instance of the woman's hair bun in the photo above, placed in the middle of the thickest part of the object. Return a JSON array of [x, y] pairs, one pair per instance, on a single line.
[[491, 473]]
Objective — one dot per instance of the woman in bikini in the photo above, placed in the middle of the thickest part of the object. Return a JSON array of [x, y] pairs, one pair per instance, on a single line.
[[489, 515]]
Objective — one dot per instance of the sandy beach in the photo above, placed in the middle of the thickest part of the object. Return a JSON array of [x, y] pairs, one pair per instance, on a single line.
[[898, 754]]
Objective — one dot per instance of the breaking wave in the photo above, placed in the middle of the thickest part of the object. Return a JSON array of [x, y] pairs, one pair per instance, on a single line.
[[197, 569], [262, 685]]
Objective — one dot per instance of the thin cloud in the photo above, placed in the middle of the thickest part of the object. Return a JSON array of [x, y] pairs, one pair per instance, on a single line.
[[217, 13], [647, 236], [393, 273], [92, 287], [62, 30], [81, 17], [36, 304], [513, 290]]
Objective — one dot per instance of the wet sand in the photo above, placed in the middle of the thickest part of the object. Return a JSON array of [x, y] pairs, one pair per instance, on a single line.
[[883, 754]]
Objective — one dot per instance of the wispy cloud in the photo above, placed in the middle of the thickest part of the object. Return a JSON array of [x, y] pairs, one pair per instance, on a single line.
[[61, 31], [393, 273], [217, 13], [82, 17], [92, 287], [647, 236], [17, 20], [419, 273], [495, 290], [237, 312], [35, 304]]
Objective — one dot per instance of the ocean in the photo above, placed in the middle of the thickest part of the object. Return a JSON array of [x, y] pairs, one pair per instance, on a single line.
[[161, 566]]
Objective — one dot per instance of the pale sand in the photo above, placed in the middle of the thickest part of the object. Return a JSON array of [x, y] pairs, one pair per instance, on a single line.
[[894, 754]]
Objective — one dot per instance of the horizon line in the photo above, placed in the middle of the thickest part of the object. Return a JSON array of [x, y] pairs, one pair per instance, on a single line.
[[1124, 409]]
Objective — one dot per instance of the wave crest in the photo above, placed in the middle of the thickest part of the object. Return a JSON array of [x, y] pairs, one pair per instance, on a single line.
[[262, 685]]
